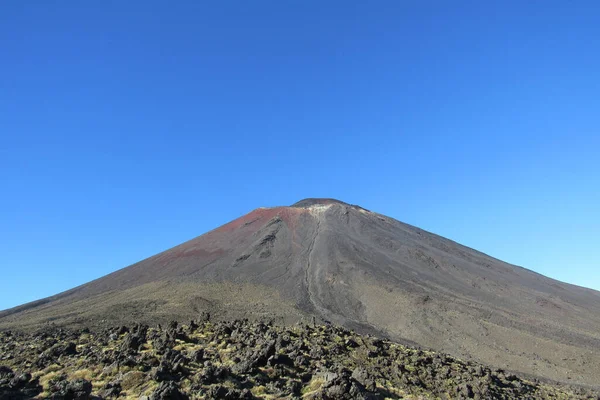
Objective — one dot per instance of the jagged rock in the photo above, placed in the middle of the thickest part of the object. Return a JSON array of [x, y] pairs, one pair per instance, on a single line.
[[172, 365], [280, 359], [197, 355], [79, 389], [135, 339], [192, 326], [20, 381], [56, 351], [122, 330], [17, 386], [211, 374], [466, 391], [361, 375], [6, 372], [317, 352], [293, 388], [221, 392], [168, 391], [272, 360], [242, 367], [163, 343], [147, 361], [111, 390], [256, 359], [216, 392], [301, 361]]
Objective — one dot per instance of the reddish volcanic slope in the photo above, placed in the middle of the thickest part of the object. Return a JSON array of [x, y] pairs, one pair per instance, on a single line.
[[345, 264]]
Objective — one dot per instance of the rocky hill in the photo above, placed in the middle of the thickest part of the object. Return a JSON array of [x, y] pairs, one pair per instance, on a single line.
[[245, 360], [355, 268]]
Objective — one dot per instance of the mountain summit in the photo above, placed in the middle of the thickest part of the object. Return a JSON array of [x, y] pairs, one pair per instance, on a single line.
[[318, 202], [337, 262]]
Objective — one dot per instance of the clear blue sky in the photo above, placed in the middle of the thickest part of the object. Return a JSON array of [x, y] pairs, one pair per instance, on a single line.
[[128, 127]]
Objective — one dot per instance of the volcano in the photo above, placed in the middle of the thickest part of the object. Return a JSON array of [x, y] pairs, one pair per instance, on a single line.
[[326, 260]]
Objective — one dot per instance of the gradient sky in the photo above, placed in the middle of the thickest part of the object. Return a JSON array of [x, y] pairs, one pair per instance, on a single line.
[[128, 127]]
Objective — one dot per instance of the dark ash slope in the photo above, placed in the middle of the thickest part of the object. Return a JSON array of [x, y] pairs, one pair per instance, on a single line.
[[356, 268]]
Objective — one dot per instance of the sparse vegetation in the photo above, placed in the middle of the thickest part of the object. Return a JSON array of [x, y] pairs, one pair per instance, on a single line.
[[244, 360]]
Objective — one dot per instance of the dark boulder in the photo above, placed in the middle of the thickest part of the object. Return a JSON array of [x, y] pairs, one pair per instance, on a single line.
[[257, 359], [342, 386], [20, 381], [197, 355], [172, 365], [111, 390], [55, 352], [168, 390], [5, 372], [79, 389], [280, 359], [135, 339], [211, 374], [362, 376]]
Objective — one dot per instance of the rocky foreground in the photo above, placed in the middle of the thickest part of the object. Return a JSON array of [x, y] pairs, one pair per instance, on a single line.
[[245, 360]]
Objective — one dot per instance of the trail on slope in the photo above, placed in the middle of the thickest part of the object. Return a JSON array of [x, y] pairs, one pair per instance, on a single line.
[[311, 247]]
